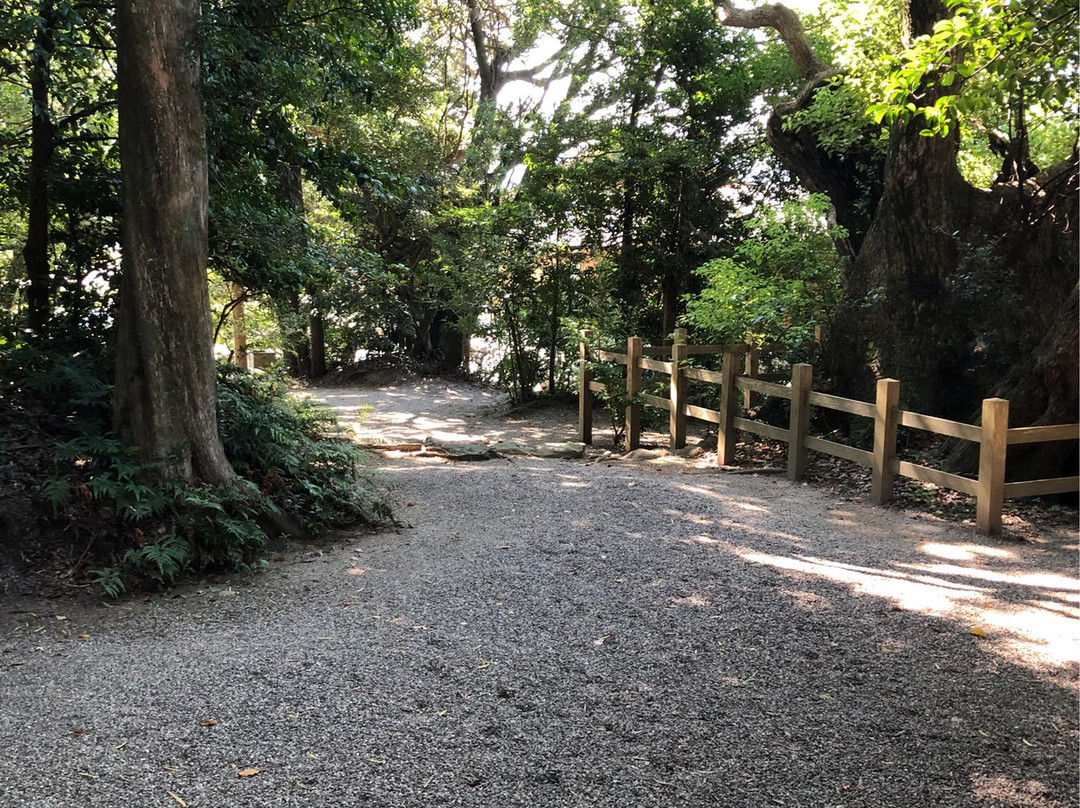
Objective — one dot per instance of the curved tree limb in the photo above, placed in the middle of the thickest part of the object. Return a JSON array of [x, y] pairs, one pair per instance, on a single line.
[[846, 179], [786, 23]]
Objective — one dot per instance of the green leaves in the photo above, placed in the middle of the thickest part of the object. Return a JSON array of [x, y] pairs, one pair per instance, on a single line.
[[973, 62], [837, 118], [290, 451], [293, 451], [783, 279]]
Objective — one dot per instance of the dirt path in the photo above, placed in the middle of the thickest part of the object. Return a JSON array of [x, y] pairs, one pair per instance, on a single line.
[[589, 632]]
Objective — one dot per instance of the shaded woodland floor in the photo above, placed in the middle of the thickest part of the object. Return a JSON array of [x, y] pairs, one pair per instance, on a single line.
[[593, 632]]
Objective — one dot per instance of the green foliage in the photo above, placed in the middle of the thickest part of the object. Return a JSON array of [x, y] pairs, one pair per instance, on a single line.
[[984, 60], [289, 451], [282, 87], [294, 451], [783, 280], [69, 391], [54, 52], [837, 119], [110, 580], [614, 397]]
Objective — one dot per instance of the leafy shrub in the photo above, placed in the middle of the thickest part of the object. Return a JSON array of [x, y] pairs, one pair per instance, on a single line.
[[293, 449], [783, 279], [614, 397], [289, 452]]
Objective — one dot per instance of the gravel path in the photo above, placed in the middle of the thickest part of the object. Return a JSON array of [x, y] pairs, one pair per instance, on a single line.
[[594, 632]]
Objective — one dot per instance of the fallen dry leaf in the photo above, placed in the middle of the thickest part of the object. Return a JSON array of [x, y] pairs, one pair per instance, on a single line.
[[247, 772], [209, 722], [84, 636], [978, 632]]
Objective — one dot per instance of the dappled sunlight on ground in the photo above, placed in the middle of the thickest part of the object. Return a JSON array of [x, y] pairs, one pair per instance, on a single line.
[[435, 411], [1029, 618], [963, 552], [1028, 610], [1000, 790], [1030, 613]]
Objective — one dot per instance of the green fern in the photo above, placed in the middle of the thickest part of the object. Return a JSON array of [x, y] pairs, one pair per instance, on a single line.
[[164, 559], [290, 452], [110, 580], [57, 491]]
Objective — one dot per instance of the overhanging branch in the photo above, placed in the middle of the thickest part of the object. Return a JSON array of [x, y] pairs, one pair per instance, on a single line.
[[786, 23]]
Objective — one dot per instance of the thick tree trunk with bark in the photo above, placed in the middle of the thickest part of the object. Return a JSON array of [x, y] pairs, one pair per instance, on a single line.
[[949, 285], [1040, 392], [165, 400]]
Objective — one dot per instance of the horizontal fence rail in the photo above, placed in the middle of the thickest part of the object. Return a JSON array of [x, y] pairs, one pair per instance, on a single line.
[[739, 374]]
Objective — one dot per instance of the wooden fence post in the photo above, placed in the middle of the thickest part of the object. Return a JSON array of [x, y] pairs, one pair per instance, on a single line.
[[633, 391], [585, 396], [751, 368], [990, 492], [802, 381], [886, 421], [677, 415], [729, 406]]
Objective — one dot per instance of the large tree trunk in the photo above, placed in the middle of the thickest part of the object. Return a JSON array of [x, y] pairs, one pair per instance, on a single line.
[[898, 306], [949, 285], [166, 401], [1040, 392]]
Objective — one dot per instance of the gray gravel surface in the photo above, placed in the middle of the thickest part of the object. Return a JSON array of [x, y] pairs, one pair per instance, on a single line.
[[540, 633]]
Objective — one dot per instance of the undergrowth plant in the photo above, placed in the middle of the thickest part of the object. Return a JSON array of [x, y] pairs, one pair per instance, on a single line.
[[288, 451], [294, 450], [614, 397]]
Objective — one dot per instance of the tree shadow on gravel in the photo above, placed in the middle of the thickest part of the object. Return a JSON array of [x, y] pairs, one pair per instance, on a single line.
[[817, 653]]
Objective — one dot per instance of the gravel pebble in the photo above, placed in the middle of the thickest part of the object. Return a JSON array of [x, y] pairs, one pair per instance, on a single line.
[[546, 633]]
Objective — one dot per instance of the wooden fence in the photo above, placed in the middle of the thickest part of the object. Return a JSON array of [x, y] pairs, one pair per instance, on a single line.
[[993, 435]]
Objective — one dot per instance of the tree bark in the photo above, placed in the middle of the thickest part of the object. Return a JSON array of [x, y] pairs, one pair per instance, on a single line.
[[1041, 392], [165, 397], [932, 256]]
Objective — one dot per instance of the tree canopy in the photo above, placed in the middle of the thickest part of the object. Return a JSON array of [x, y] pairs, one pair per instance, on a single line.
[[467, 185]]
